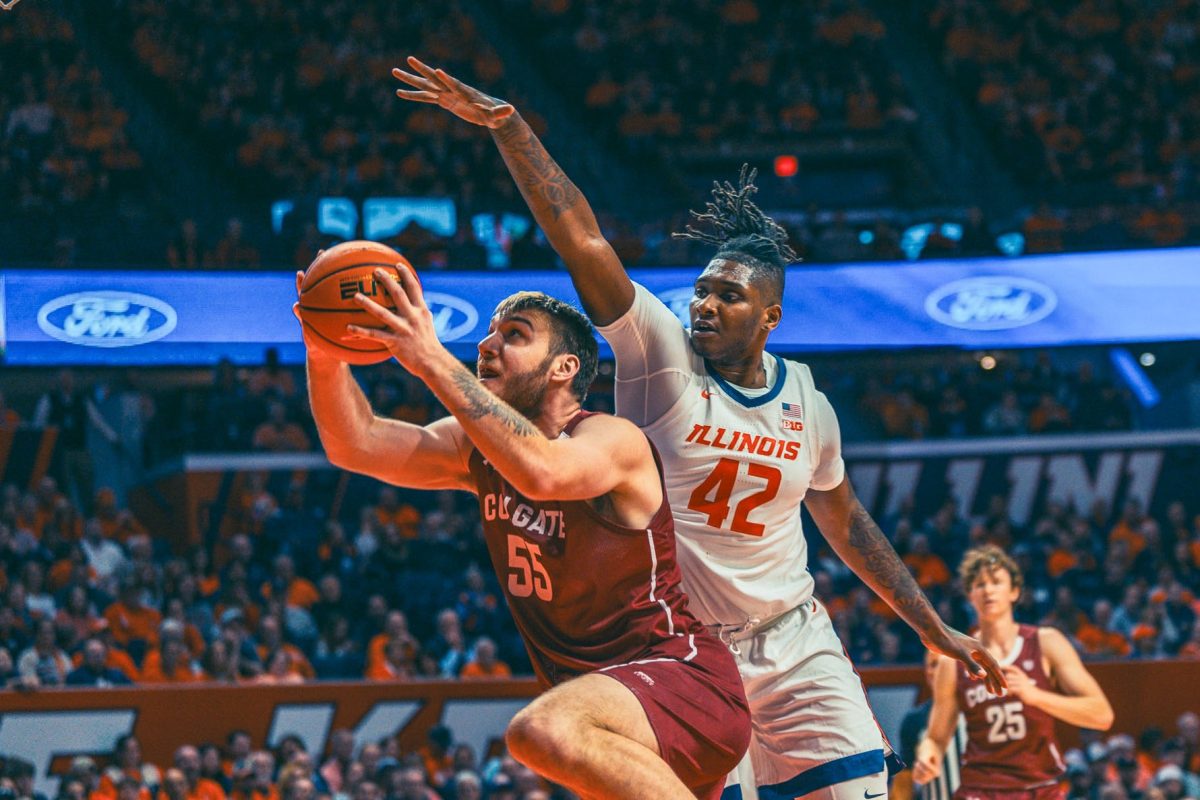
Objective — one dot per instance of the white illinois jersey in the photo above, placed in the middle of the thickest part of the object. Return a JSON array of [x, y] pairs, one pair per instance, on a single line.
[[738, 462]]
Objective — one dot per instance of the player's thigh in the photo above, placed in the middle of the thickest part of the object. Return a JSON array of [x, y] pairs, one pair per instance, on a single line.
[[589, 701]]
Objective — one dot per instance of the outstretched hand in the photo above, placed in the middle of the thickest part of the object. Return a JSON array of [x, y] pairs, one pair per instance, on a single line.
[[971, 652], [408, 330], [438, 88]]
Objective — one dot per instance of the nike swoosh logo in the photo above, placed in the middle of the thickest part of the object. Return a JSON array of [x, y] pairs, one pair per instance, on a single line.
[[868, 795]]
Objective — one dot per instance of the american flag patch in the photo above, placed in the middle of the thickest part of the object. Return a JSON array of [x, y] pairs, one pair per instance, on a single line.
[[792, 411]]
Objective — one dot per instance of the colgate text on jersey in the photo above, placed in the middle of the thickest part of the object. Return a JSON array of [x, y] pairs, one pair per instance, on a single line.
[[535, 521], [740, 442]]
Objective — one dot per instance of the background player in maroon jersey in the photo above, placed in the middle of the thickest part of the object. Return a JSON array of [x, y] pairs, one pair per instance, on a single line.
[[1011, 747], [645, 704]]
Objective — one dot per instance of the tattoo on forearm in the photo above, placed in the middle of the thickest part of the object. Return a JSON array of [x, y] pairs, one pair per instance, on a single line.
[[482, 403], [886, 567], [540, 179]]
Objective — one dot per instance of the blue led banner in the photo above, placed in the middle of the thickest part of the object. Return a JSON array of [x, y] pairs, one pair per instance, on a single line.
[[129, 318]]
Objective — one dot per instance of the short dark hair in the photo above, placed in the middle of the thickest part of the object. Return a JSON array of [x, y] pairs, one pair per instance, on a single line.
[[573, 333], [743, 233]]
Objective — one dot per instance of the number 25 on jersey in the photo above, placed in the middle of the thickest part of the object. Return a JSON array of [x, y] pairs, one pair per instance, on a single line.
[[712, 497]]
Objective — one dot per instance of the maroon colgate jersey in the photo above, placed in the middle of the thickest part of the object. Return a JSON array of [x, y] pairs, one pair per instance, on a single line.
[[584, 592], [1010, 745]]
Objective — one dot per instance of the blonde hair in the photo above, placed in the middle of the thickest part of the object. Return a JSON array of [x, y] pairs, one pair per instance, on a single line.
[[988, 557]]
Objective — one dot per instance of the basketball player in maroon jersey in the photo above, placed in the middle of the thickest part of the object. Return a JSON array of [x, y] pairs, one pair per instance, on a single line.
[[644, 704], [1011, 750]]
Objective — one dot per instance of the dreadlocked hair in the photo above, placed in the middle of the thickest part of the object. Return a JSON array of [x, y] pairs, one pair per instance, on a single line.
[[741, 231]]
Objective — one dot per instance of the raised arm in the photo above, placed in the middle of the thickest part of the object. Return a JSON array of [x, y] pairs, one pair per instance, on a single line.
[[430, 457], [943, 717], [603, 455], [557, 204]]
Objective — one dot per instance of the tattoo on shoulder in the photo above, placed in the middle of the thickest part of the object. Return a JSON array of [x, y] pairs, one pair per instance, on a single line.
[[537, 174], [482, 403], [887, 568]]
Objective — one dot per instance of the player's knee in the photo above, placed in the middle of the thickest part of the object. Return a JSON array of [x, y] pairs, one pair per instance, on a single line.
[[537, 736]]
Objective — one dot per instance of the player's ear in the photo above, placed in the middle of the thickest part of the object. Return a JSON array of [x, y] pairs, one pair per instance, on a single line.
[[772, 316], [566, 367]]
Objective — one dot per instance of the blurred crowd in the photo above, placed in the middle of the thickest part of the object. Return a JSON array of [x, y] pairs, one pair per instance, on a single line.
[[641, 71], [298, 100], [960, 398], [1087, 103], [240, 769], [67, 168]]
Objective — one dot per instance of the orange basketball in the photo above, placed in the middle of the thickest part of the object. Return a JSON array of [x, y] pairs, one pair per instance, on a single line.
[[327, 298]]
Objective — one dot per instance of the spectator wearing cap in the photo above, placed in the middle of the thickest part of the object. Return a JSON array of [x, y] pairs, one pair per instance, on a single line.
[[95, 670]]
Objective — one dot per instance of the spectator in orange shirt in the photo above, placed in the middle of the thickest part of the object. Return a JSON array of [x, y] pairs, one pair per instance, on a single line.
[[1128, 528], [133, 624], [128, 764], [437, 754], [174, 785], [1095, 637], [928, 567], [391, 512], [399, 661], [295, 591], [187, 761], [394, 627], [278, 434], [8, 417], [170, 662], [116, 524], [270, 637], [258, 781], [484, 663]]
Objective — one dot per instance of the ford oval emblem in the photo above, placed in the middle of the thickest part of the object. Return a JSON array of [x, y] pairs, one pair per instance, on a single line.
[[107, 319], [453, 317], [991, 303], [680, 302]]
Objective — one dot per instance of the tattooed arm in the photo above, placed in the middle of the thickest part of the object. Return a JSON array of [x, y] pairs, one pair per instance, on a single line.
[[860, 543], [558, 206]]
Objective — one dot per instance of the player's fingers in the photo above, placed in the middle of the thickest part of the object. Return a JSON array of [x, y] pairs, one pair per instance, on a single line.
[[357, 333], [414, 80], [395, 288], [296, 313], [377, 311], [299, 281], [407, 285], [428, 72], [419, 96]]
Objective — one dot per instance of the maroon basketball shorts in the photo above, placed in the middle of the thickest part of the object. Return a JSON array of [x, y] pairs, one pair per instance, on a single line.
[[1051, 791], [698, 711]]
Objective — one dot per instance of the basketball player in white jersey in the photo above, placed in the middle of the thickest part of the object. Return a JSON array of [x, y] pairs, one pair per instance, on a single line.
[[745, 437]]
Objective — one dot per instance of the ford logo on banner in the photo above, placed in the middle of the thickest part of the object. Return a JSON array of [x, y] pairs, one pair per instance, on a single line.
[[680, 302], [991, 303], [453, 317], [107, 319]]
